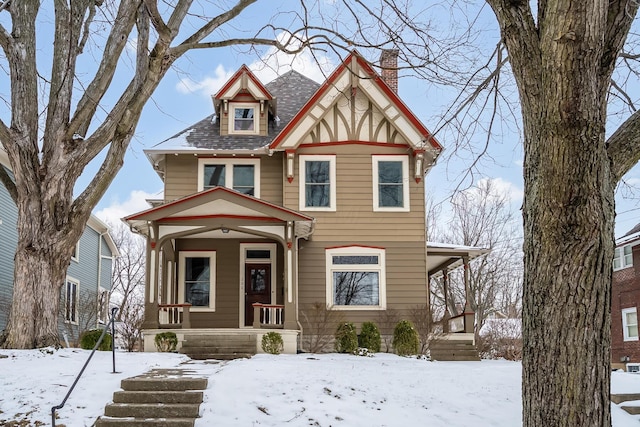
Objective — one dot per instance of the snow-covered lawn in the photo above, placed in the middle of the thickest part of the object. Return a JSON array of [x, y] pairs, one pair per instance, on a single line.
[[295, 390]]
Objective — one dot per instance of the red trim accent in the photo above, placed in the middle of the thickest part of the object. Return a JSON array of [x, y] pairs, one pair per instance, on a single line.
[[153, 245], [351, 142], [377, 80], [290, 179], [392, 154], [418, 179], [174, 305], [211, 190], [245, 217], [290, 150], [354, 246], [289, 245], [236, 76]]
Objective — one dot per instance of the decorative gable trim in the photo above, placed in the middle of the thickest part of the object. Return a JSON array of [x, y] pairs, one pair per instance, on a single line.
[[352, 75], [243, 79]]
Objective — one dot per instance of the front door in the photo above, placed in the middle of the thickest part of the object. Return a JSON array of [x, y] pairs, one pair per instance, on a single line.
[[257, 285]]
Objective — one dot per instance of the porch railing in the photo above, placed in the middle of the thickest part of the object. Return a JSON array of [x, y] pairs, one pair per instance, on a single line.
[[268, 316], [174, 315], [463, 322]]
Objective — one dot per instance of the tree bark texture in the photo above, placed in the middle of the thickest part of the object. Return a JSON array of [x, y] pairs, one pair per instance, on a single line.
[[563, 65]]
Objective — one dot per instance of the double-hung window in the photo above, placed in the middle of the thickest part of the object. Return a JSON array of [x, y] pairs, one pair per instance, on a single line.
[[355, 278], [197, 276], [243, 118], [239, 174], [71, 295], [390, 183], [630, 324], [318, 183], [623, 257]]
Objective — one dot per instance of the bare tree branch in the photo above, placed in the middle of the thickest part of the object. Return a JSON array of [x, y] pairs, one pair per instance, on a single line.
[[8, 183], [163, 30], [623, 146]]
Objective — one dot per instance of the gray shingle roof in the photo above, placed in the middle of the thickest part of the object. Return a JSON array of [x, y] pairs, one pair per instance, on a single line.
[[291, 91]]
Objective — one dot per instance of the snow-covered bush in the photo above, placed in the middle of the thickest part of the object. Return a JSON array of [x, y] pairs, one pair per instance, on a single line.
[[272, 343], [346, 338], [405, 338], [370, 337]]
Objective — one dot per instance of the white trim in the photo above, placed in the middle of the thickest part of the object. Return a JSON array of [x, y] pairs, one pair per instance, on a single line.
[[212, 277], [76, 256], [625, 260], [332, 182], [102, 291], [380, 268], [375, 159], [76, 282], [625, 325], [232, 118], [272, 247], [228, 170]]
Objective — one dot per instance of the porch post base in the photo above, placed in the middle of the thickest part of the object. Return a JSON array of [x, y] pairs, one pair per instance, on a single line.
[[151, 316], [290, 325]]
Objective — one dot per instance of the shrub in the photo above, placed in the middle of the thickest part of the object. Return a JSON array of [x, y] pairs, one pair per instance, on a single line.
[[319, 324], [89, 339], [370, 337], [346, 338], [405, 338], [166, 341], [272, 343]]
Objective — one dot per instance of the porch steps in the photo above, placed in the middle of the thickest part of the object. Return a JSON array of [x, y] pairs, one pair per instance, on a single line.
[[220, 347], [163, 398], [453, 350], [633, 409]]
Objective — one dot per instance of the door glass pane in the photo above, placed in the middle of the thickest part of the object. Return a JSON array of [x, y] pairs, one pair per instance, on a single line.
[[214, 176], [243, 179], [390, 184], [317, 183], [197, 281], [258, 277], [258, 253]]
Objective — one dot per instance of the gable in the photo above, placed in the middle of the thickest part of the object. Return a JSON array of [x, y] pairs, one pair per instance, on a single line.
[[355, 105], [243, 81]]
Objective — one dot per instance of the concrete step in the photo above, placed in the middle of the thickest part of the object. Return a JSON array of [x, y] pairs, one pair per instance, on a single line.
[[633, 410], [151, 422], [143, 383], [219, 356], [218, 349], [223, 340], [619, 398], [152, 410], [456, 358], [157, 397]]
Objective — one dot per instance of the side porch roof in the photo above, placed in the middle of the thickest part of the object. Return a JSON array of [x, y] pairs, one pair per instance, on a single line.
[[446, 255]]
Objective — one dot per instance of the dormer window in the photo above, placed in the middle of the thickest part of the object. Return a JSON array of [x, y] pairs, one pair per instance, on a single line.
[[243, 118]]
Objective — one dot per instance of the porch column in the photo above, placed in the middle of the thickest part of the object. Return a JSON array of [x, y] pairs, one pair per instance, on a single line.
[[151, 285], [445, 287], [290, 287], [469, 315]]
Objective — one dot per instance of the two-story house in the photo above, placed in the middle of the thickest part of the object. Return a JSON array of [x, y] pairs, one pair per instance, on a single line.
[[84, 296], [625, 299], [291, 194]]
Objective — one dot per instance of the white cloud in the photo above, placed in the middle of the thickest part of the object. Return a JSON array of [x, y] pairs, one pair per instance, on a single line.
[[272, 64], [502, 186], [135, 203]]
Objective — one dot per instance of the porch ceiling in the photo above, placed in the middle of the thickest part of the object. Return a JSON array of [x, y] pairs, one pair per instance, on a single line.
[[445, 255]]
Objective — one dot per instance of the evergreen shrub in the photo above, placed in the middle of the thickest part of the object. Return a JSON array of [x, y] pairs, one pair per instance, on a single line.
[[346, 338], [405, 338], [272, 343], [166, 342], [370, 337], [89, 339]]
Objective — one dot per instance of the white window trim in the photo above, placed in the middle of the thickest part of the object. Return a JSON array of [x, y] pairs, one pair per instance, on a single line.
[[228, 171], [272, 247], [356, 251], [256, 118], [625, 329], [634, 365], [76, 257], [623, 263], [375, 159], [332, 182], [106, 313], [212, 277], [66, 302]]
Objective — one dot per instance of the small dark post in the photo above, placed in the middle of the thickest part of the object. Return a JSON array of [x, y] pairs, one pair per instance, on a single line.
[[114, 310]]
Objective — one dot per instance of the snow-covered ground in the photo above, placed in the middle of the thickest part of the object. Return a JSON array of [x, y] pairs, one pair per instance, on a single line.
[[295, 390]]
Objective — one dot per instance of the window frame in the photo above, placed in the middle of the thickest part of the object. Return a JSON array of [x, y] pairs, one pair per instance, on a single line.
[[67, 309], [619, 254], [75, 256], [303, 159], [228, 171], [212, 278], [103, 305], [232, 118], [625, 326], [375, 161], [380, 268]]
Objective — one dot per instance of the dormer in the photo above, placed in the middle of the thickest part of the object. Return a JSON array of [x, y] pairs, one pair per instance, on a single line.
[[244, 106]]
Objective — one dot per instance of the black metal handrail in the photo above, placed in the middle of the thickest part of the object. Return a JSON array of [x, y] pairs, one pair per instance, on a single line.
[[113, 351]]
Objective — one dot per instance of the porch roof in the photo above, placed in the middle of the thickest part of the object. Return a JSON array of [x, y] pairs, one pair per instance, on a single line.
[[218, 204], [450, 256]]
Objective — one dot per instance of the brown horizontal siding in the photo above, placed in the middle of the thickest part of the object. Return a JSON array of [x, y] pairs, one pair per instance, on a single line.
[[271, 178], [406, 280], [181, 177]]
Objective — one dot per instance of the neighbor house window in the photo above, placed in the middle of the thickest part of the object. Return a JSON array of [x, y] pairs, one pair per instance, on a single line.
[[239, 174], [318, 183], [71, 289], [623, 257], [390, 183], [75, 255], [356, 278], [630, 324], [197, 279], [243, 119], [103, 305]]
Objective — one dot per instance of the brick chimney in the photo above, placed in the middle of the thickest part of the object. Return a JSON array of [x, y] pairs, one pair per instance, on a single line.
[[389, 68]]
